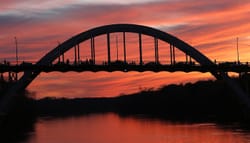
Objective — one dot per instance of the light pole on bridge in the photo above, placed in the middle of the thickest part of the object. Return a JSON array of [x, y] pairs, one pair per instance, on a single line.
[[238, 55], [15, 75], [16, 50]]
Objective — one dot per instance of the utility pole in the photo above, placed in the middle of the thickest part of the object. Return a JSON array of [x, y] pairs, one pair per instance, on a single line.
[[16, 50], [238, 55]]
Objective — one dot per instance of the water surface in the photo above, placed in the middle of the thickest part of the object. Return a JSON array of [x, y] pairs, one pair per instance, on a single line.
[[109, 127]]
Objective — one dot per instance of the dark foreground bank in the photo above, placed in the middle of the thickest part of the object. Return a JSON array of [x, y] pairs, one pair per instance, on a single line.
[[16, 126]]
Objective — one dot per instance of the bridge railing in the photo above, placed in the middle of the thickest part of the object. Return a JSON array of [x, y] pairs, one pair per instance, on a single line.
[[231, 63], [130, 62], [15, 63]]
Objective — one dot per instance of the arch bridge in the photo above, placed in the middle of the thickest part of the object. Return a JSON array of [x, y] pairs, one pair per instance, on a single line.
[[57, 55]]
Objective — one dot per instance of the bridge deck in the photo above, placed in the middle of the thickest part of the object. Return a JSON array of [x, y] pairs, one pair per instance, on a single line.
[[126, 68]]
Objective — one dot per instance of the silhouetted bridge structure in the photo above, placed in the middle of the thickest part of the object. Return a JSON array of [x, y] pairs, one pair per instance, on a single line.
[[55, 60]]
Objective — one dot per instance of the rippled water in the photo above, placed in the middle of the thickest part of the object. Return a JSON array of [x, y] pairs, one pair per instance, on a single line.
[[112, 128]]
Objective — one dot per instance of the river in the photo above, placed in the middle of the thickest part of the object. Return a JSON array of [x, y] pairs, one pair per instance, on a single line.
[[112, 128]]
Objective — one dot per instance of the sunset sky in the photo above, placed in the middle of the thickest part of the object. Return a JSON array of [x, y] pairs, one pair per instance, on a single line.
[[210, 26]]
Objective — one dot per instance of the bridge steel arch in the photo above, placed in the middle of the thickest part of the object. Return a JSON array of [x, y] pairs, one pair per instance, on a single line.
[[133, 28], [29, 76]]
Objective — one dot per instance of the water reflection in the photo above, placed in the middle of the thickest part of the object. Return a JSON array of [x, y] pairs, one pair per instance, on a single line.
[[106, 128]]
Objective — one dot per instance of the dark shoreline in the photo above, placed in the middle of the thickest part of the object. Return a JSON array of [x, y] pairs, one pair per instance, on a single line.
[[203, 100]]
